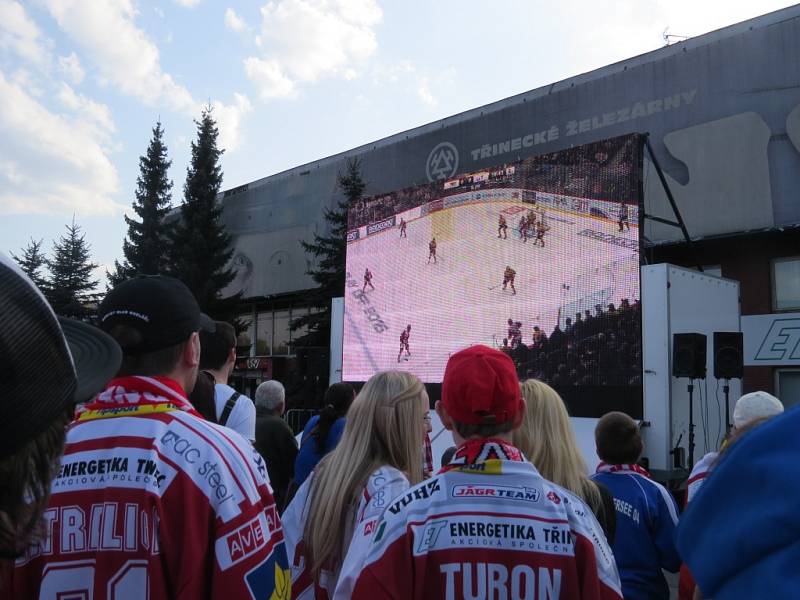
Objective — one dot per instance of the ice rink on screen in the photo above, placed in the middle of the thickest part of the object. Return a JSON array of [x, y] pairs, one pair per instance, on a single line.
[[459, 301]]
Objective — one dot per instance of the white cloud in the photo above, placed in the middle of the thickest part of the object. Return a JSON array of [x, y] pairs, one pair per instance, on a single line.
[[96, 116], [234, 21], [51, 162], [229, 120], [304, 40], [424, 92], [71, 68], [123, 54], [269, 78], [159, 12], [20, 34], [188, 3]]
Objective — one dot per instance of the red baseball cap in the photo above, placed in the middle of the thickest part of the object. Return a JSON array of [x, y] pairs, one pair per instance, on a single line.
[[480, 387]]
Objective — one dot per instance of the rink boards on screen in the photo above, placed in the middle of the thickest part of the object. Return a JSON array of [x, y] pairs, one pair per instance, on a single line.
[[459, 300]]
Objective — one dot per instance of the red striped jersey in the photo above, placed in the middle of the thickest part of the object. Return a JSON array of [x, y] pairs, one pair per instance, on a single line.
[[151, 501]]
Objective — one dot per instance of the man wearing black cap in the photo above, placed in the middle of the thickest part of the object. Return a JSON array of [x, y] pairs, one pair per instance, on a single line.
[[151, 500], [487, 525], [47, 365]]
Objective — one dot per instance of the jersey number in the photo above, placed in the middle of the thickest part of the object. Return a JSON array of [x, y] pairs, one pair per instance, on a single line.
[[75, 580]]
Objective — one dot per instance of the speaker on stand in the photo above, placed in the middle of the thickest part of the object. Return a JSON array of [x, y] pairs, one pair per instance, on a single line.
[[689, 360], [728, 363]]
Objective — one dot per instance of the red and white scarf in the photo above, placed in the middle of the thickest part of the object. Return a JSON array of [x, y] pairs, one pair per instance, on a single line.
[[631, 468], [480, 450], [139, 391]]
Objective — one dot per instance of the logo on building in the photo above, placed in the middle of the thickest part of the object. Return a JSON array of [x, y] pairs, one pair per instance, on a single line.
[[782, 341], [442, 162]]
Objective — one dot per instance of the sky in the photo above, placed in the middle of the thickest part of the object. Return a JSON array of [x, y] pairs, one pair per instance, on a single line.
[[82, 83]]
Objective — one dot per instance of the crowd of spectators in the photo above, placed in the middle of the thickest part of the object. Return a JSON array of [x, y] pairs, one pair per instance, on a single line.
[[603, 170], [115, 481], [595, 348]]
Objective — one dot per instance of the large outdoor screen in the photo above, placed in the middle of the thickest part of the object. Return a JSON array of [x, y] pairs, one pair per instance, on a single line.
[[538, 258]]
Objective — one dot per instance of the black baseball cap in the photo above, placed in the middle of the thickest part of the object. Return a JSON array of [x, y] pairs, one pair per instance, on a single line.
[[162, 309], [46, 363]]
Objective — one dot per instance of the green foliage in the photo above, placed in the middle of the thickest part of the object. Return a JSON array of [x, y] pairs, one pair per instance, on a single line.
[[32, 262], [328, 256], [201, 248], [71, 269], [145, 248]]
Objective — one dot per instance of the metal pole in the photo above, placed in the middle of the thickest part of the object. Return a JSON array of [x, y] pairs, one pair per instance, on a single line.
[[671, 199]]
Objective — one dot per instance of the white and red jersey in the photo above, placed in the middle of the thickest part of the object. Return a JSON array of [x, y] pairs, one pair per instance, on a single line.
[[488, 526], [152, 501], [700, 471], [382, 486]]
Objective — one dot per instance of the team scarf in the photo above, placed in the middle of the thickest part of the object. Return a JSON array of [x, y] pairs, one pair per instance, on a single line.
[[137, 396], [476, 451], [606, 468]]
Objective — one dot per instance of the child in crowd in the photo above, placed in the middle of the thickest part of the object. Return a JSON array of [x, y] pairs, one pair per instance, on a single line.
[[329, 522], [647, 515], [547, 440]]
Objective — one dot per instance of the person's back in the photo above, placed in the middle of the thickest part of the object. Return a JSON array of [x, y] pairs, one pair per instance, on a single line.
[[151, 500], [487, 525], [274, 438], [647, 515], [146, 495], [322, 432], [218, 357]]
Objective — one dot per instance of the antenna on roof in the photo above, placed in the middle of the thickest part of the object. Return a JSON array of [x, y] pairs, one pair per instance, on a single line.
[[671, 38]]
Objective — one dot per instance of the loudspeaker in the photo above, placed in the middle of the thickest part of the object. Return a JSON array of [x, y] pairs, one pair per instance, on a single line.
[[689, 355], [728, 361]]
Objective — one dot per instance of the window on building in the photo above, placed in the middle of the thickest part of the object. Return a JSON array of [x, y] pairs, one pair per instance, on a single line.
[[244, 342], [300, 331], [282, 337], [788, 386], [264, 334], [786, 283]]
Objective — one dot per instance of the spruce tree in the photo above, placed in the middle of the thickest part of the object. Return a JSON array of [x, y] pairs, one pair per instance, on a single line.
[[70, 273], [328, 255], [32, 262], [201, 248], [145, 246]]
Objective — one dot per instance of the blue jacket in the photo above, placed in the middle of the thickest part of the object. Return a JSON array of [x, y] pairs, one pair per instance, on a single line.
[[308, 457], [740, 536], [647, 516]]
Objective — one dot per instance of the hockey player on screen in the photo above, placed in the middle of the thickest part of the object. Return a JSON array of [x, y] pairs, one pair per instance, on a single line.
[[432, 251], [502, 226], [406, 333], [623, 217], [403, 228], [514, 333], [541, 229], [367, 280], [523, 228], [508, 278]]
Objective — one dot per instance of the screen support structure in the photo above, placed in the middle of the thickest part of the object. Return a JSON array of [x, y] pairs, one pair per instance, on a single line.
[[679, 222]]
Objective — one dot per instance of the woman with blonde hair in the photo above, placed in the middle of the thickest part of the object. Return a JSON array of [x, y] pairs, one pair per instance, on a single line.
[[547, 440], [329, 522]]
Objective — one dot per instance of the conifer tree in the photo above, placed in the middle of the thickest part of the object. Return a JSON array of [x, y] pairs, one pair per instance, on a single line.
[[70, 272], [32, 262], [145, 247], [201, 248], [328, 255]]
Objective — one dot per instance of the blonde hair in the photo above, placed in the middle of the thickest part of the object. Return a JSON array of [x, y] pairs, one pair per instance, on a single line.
[[547, 440], [384, 426]]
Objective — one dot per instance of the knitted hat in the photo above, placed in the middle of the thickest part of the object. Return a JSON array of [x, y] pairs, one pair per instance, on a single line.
[[755, 405], [480, 387]]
